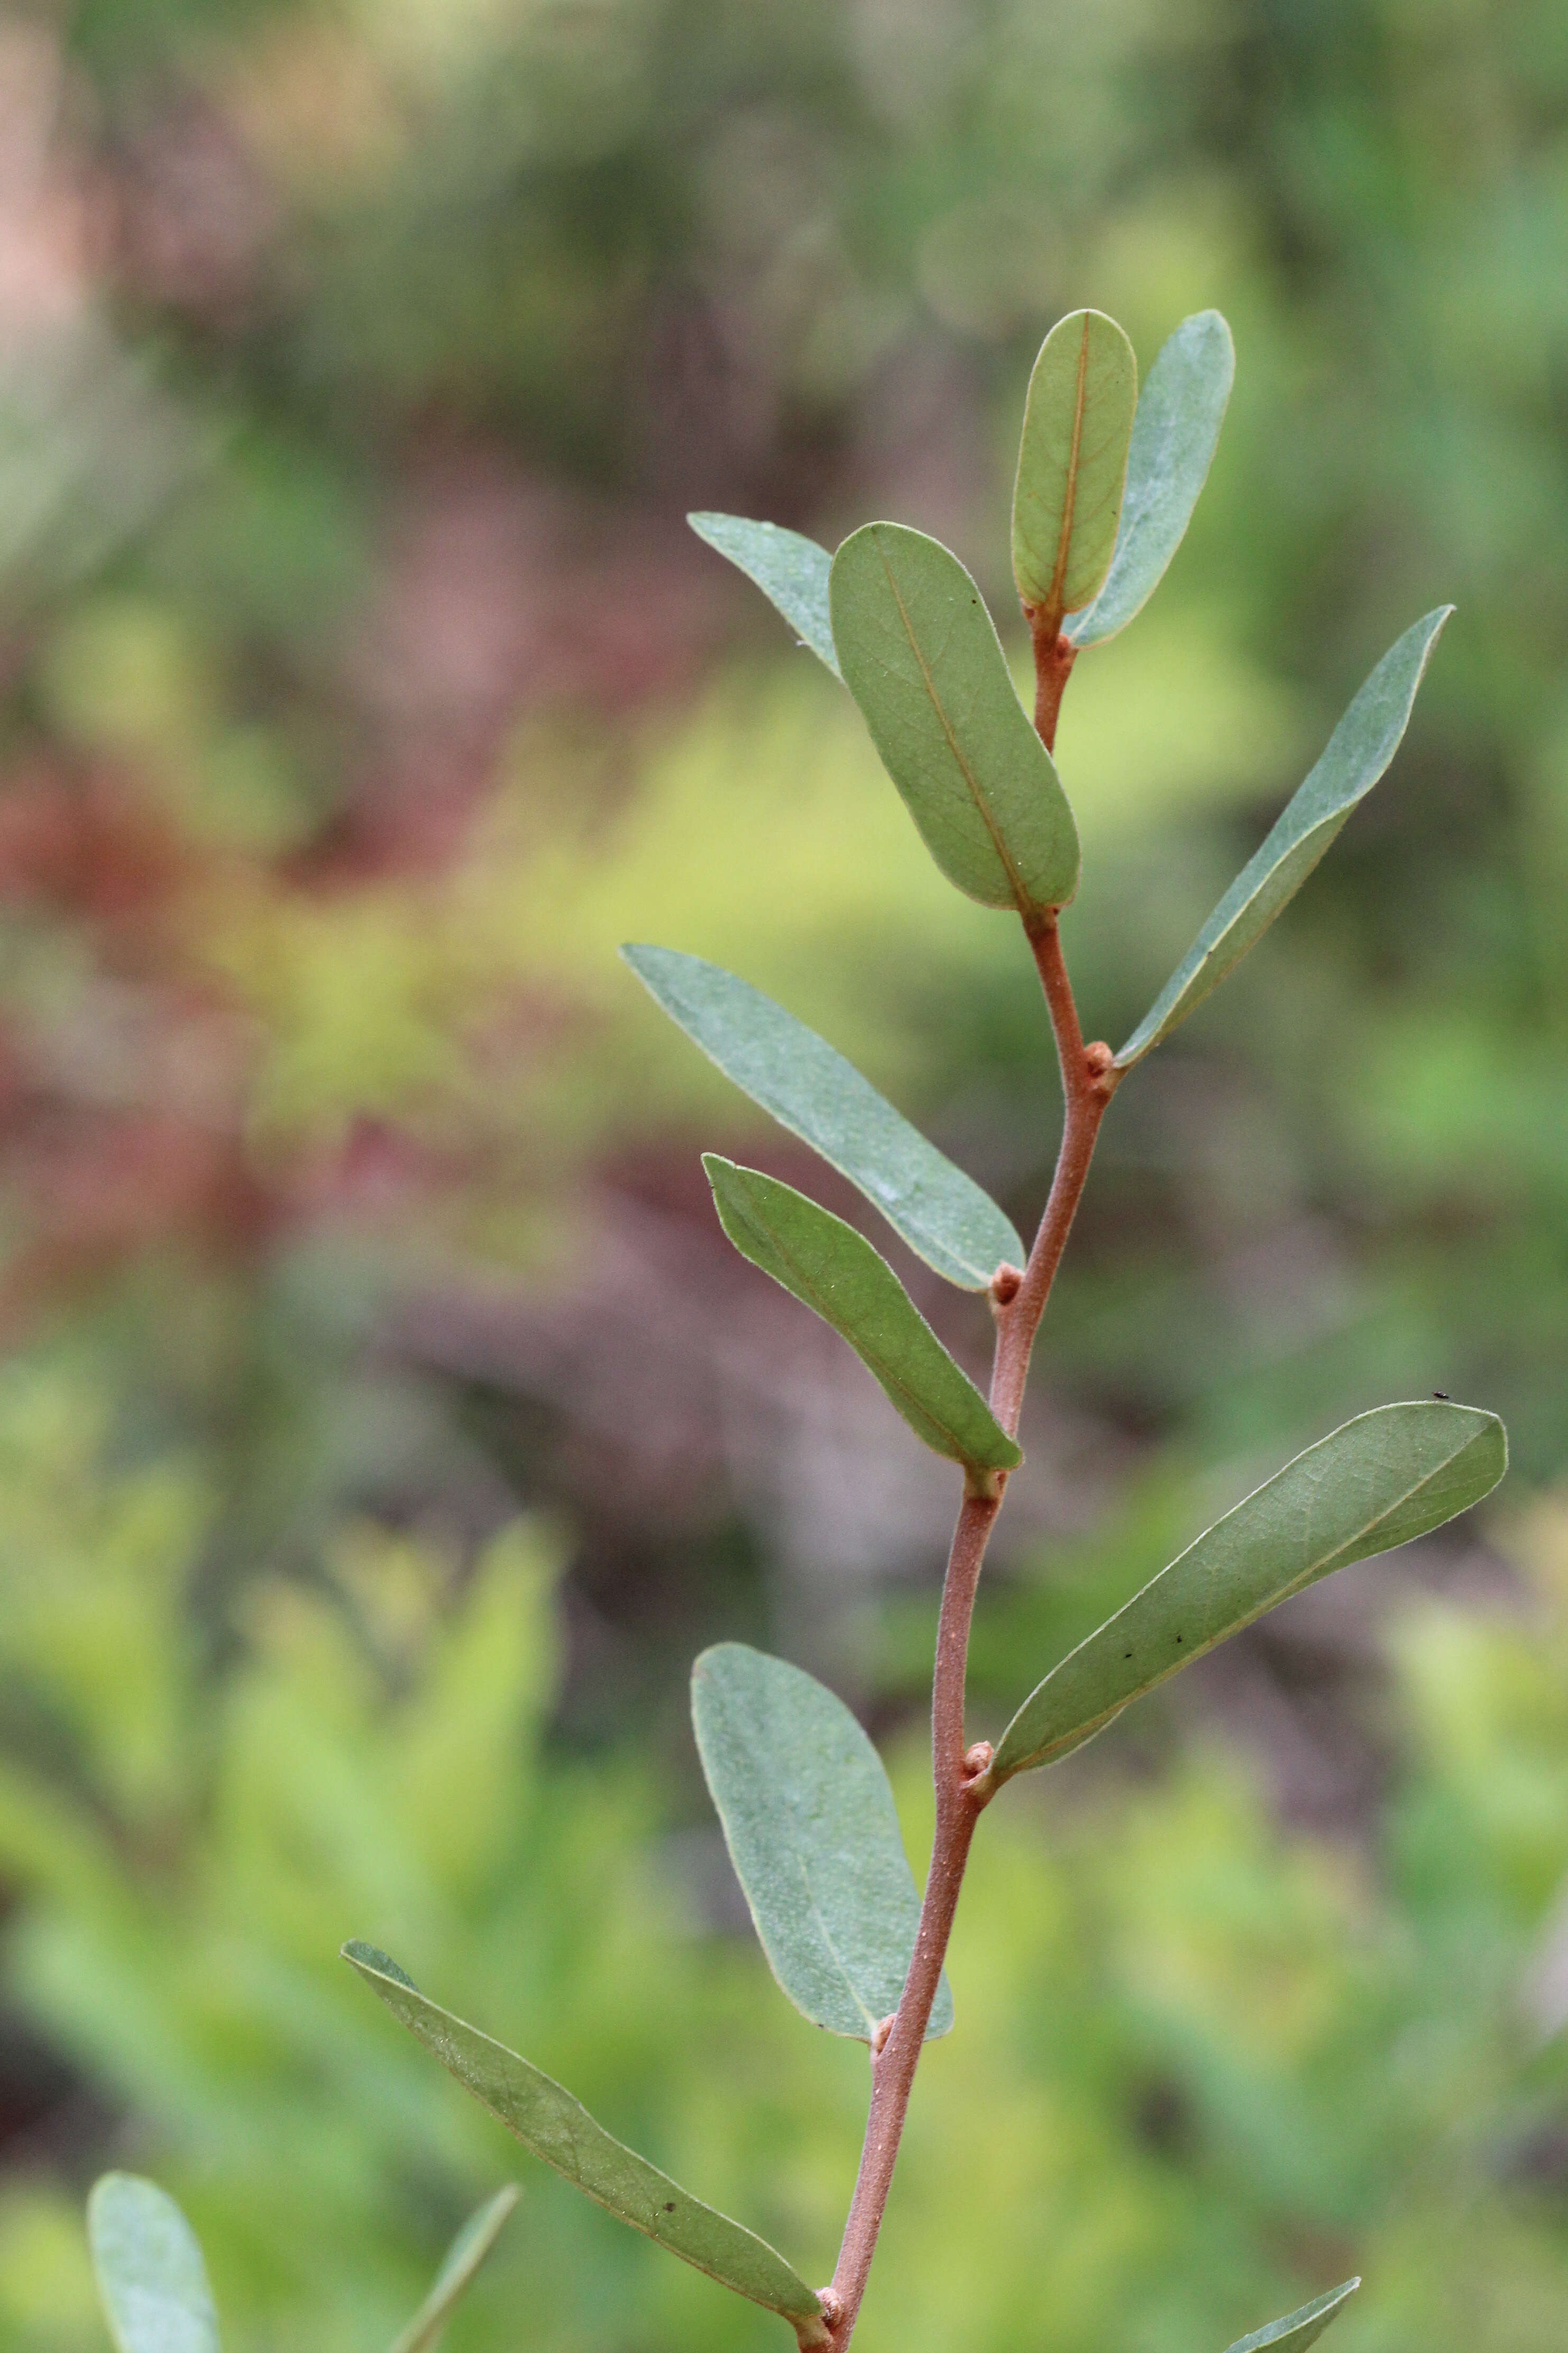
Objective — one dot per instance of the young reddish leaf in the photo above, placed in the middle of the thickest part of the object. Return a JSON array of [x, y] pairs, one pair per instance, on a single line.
[[1072, 465]]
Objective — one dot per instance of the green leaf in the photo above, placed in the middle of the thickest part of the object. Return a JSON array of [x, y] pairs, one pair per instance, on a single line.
[[1371, 1485], [1298, 2329], [151, 2276], [921, 654], [1358, 752], [1180, 411], [559, 2129], [941, 1213], [813, 1832], [790, 570], [1072, 464], [463, 2257], [836, 1271]]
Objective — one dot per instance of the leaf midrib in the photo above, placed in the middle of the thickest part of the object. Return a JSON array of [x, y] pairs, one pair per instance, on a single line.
[[1057, 603], [1015, 879]]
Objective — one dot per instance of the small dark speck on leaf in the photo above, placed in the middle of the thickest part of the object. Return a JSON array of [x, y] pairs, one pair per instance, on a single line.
[[670, 2205], [1441, 1395], [1178, 1638], [1127, 1654]]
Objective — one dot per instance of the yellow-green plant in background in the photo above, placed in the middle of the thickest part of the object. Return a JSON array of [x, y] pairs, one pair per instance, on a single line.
[[1227, 2061]]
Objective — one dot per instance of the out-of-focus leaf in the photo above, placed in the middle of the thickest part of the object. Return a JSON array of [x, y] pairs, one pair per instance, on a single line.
[[790, 569], [811, 1090], [1371, 1485], [558, 2128], [1072, 463], [921, 654], [836, 1271], [151, 2276], [1298, 2329], [463, 2257], [1357, 754], [1180, 411], [813, 1832]]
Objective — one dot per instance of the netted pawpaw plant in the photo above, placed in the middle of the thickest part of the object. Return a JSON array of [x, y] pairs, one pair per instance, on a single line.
[[1108, 477]]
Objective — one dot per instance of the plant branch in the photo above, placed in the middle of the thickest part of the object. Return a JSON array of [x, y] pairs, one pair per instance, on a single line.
[[957, 1811], [1054, 657], [1089, 1081]]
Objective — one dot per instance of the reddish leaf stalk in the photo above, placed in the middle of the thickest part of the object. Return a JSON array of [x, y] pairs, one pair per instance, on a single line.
[[1089, 1081]]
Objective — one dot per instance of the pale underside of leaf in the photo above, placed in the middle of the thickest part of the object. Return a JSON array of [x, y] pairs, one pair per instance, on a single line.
[[790, 569], [1356, 755], [1298, 2329], [1174, 433], [1375, 1483], [813, 1831], [152, 2280], [463, 2258], [921, 654], [558, 2128], [1072, 464], [834, 1270], [811, 1090]]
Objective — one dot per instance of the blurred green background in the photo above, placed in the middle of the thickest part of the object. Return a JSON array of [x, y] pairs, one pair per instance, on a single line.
[[383, 1423]]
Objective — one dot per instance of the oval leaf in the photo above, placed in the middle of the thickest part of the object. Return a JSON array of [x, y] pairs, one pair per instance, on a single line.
[[1358, 752], [921, 654], [811, 1090], [1180, 411], [151, 2276], [1373, 1484], [1298, 2329], [559, 2129], [836, 1271], [463, 2257], [1072, 464], [790, 570], [813, 1832]]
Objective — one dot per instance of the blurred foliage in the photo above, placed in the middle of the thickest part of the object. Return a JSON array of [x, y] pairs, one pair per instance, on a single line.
[[360, 691], [1199, 2069]]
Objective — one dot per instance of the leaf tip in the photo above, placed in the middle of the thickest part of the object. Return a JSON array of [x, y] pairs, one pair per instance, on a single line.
[[372, 1962]]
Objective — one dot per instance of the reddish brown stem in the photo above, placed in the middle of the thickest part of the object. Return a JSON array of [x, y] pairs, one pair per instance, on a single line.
[[1054, 657], [893, 2071], [1088, 1082]]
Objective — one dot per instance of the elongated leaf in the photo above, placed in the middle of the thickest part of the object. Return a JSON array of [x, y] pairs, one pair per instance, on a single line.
[[813, 1832], [151, 2276], [1072, 463], [1371, 1485], [1357, 754], [1298, 2329], [790, 570], [941, 1213], [1180, 411], [921, 654], [559, 2129], [466, 2253], [836, 1271]]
